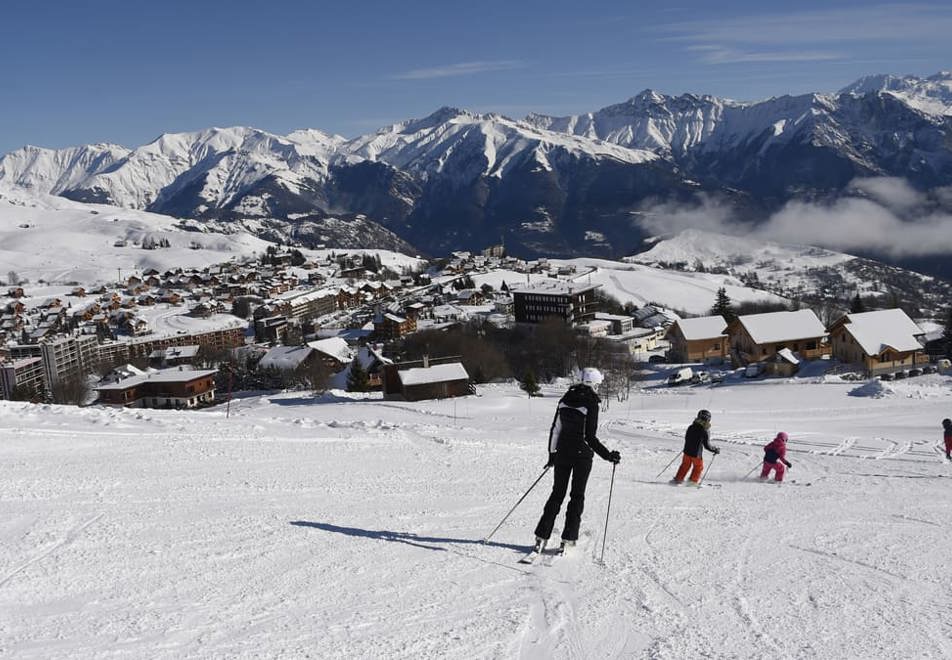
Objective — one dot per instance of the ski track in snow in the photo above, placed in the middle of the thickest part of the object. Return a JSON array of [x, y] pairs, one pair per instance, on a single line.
[[354, 530]]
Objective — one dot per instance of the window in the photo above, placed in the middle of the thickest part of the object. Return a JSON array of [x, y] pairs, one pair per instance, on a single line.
[[810, 345]]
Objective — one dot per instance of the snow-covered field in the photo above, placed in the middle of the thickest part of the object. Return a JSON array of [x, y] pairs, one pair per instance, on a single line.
[[691, 292], [347, 528], [43, 237]]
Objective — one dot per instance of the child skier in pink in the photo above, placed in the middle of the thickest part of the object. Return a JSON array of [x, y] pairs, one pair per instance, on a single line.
[[775, 457]]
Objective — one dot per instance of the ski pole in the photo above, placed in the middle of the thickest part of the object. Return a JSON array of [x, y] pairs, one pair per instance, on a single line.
[[668, 465], [611, 487], [707, 470], [486, 540], [751, 470]]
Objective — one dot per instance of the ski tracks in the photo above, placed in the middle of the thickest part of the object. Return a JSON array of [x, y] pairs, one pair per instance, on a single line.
[[70, 536]]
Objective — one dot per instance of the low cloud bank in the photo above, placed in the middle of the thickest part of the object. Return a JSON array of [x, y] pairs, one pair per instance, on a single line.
[[884, 215]]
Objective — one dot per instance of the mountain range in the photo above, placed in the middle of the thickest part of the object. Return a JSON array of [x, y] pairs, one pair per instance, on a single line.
[[562, 186]]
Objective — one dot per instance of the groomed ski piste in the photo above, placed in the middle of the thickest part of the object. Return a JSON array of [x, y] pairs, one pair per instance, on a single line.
[[349, 527]]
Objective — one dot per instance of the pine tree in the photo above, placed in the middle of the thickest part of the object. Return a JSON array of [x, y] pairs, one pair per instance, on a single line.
[[357, 378], [529, 384], [857, 306], [723, 306]]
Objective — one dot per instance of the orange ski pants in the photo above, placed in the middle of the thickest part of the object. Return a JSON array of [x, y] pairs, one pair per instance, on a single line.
[[693, 463]]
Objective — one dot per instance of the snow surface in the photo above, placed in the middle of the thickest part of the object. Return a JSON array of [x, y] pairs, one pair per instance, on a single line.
[[782, 326], [888, 328], [54, 239], [704, 327], [690, 292], [349, 527], [438, 373]]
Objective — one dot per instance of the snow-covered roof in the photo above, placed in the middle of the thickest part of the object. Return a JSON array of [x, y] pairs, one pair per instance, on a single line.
[[439, 373], [787, 354], [285, 358], [782, 326], [163, 376], [887, 328], [335, 347], [555, 288], [704, 327]]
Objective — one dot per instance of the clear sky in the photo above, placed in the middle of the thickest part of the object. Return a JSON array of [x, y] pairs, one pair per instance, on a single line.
[[124, 71]]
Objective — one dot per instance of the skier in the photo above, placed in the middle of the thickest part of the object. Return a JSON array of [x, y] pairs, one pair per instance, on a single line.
[[775, 457], [947, 436], [696, 440], [572, 443]]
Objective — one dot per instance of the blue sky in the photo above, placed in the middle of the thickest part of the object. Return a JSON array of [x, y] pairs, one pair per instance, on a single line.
[[126, 71]]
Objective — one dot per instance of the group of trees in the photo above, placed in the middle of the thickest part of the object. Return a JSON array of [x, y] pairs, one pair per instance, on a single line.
[[531, 354]]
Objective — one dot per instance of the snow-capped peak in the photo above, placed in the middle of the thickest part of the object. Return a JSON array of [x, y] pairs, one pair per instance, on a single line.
[[931, 95]]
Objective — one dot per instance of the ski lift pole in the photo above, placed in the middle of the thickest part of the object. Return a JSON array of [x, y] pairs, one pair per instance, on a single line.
[[501, 522], [608, 510], [668, 465]]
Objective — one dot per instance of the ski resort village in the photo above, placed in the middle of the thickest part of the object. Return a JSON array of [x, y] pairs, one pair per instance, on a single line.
[[345, 453], [443, 331]]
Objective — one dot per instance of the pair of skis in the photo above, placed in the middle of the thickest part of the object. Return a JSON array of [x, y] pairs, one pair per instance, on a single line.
[[538, 551]]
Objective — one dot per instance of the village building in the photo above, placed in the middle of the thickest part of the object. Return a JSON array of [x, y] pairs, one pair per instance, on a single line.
[[169, 388], [389, 326], [22, 377], [439, 381], [288, 358], [878, 342], [699, 339], [334, 352], [174, 356], [571, 302], [758, 337]]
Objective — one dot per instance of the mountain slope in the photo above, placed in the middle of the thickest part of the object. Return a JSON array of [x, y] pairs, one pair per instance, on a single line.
[[547, 185]]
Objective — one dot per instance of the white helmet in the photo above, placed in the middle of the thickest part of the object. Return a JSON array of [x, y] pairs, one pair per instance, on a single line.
[[592, 377]]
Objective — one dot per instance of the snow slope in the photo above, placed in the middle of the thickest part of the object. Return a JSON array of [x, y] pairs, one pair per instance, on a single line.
[[57, 240], [690, 292], [341, 528], [60, 241]]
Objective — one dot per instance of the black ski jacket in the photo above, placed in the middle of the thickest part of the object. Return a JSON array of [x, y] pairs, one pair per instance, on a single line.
[[572, 436], [696, 438]]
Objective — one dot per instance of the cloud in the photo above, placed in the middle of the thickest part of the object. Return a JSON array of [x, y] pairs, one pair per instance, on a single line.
[[711, 54], [893, 192], [812, 35], [459, 69], [893, 221]]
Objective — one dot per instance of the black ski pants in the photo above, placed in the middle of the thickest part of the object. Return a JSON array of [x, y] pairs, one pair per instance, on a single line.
[[578, 475]]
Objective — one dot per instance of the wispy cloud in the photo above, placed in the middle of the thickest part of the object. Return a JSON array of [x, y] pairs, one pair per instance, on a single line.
[[887, 216], [712, 54], [814, 35], [459, 69]]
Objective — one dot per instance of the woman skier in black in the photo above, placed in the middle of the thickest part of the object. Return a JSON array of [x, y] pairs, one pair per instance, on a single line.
[[572, 443]]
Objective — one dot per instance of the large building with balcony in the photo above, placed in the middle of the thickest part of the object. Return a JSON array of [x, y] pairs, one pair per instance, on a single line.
[[572, 302]]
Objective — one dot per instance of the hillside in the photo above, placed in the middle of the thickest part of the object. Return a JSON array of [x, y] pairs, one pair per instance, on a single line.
[[44, 237], [353, 528], [793, 271]]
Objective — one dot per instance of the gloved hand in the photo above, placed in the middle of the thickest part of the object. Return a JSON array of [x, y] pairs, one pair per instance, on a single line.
[[789, 464], [715, 451], [614, 457], [551, 461]]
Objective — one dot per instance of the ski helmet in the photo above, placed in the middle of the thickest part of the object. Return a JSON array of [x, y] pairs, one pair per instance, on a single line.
[[782, 436], [704, 415], [947, 422], [592, 377]]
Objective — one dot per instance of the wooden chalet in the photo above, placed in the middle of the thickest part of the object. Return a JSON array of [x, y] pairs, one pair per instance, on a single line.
[[758, 337], [698, 340], [878, 342], [169, 388]]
